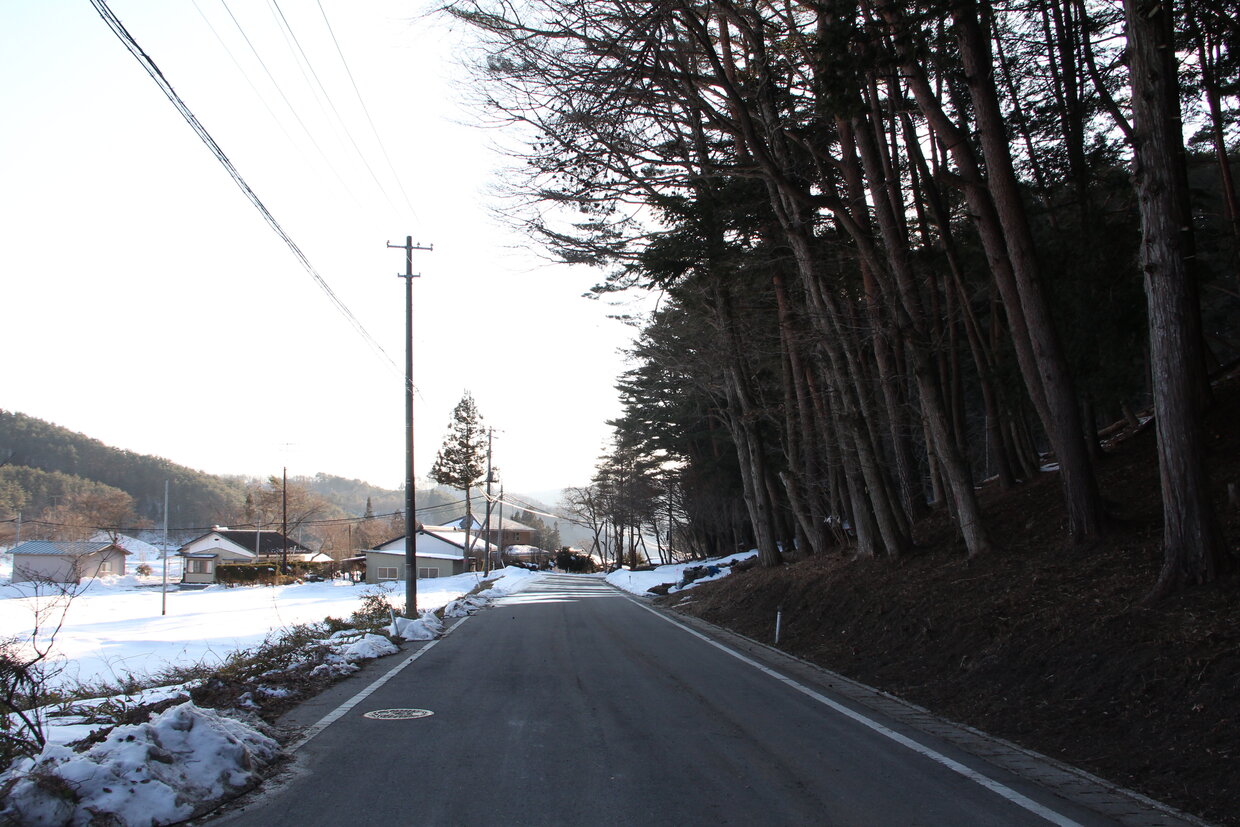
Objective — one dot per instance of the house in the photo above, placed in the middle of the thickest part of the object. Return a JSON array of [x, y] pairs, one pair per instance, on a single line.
[[439, 552], [224, 545], [509, 532], [45, 561]]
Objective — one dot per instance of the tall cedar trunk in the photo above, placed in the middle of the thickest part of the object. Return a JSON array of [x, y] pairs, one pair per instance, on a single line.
[[801, 434], [1037, 351], [893, 398], [864, 524], [982, 362], [842, 350], [835, 504], [905, 303], [759, 128], [744, 417], [1086, 518], [1192, 543]]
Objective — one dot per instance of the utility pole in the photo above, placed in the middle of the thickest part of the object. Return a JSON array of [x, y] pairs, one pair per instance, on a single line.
[[501, 523], [486, 567], [284, 523], [164, 600], [411, 561]]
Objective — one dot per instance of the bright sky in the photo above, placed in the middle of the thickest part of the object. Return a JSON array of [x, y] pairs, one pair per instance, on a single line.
[[145, 302]]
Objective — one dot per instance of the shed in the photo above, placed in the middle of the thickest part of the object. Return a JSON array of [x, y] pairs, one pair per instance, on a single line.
[[49, 561]]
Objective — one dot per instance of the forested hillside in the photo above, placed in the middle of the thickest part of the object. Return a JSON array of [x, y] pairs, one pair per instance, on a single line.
[[46, 463], [66, 485], [900, 249]]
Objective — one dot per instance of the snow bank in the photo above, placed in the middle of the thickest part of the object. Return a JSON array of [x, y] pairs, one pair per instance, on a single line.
[[502, 582], [508, 580], [641, 582], [153, 773], [426, 627], [368, 647]]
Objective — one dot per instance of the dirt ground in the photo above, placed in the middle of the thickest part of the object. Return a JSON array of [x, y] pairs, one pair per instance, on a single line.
[[1042, 643]]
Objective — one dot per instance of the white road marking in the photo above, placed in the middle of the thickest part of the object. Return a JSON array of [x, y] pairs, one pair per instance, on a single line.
[[1003, 790]]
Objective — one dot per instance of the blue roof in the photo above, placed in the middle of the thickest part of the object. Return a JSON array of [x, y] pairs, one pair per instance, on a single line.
[[46, 547]]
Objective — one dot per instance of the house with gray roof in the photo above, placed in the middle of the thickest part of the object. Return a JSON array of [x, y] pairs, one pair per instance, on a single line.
[[48, 561], [224, 545], [438, 550]]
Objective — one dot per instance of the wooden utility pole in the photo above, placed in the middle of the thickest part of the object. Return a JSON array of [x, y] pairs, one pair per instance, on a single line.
[[284, 523], [411, 561], [486, 545]]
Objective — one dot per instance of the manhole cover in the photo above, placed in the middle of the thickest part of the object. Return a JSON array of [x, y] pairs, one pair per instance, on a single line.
[[398, 714]]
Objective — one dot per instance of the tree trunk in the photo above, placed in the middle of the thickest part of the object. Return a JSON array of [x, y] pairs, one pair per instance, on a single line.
[[1086, 518], [1192, 542]]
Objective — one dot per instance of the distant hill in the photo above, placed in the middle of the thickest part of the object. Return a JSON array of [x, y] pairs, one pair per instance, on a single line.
[[44, 463], [196, 498]]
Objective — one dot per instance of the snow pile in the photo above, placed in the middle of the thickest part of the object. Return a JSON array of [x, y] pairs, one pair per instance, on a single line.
[[508, 580], [368, 647], [426, 627], [158, 772], [465, 606], [673, 575], [69, 721], [349, 646]]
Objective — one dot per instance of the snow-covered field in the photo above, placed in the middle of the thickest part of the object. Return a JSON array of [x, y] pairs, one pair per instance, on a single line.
[[114, 627]]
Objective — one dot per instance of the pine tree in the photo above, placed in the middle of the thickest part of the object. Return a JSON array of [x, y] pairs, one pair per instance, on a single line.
[[461, 460]]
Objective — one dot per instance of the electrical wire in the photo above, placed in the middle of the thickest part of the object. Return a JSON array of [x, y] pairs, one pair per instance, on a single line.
[[325, 522], [331, 103], [361, 101], [148, 64], [292, 109]]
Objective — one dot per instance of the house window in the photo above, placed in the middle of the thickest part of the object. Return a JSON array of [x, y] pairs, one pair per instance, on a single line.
[[427, 573], [105, 566], [198, 566], [387, 572]]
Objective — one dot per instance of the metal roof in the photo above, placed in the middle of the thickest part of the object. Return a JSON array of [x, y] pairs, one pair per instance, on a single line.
[[59, 549]]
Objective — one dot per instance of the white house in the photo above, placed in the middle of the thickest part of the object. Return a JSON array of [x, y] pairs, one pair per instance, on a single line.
[[223, 545], [438, 551], [60, 562]]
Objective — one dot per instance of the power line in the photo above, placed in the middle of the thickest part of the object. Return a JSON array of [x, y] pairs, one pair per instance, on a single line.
[[148, 64], [331, 103], [373, 129], [292, 109]]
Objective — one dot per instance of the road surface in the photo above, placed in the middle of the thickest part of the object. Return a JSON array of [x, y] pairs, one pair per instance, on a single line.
[[572, 703]]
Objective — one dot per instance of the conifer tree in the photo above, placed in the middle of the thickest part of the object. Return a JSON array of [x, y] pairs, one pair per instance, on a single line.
[[461, 460]]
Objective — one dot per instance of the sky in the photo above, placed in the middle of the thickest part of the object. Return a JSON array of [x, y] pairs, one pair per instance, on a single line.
[[145, 302]]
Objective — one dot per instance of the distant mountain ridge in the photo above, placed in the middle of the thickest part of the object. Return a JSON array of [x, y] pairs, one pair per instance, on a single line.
[[30, 443], [46, 463]]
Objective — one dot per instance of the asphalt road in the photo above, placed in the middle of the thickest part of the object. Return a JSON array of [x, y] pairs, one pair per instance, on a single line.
[[572, 703]]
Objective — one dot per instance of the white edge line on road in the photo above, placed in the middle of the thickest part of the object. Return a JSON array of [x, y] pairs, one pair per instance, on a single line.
[[342, 710], [955, 766]]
